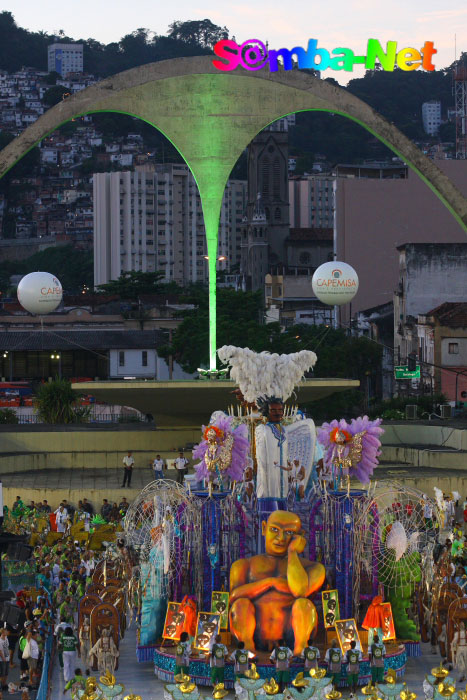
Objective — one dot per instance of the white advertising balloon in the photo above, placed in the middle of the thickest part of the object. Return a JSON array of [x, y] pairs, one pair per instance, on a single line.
[[335, 283], [39, 292]]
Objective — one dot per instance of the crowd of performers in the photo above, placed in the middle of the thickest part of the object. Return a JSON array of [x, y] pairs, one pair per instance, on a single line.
[[445, 605], [72, 592]]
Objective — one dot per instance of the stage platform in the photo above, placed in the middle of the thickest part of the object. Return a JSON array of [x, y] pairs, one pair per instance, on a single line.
[[164, 666]]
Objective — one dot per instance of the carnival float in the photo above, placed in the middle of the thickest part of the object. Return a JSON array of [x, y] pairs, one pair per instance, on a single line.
[[282, 534]]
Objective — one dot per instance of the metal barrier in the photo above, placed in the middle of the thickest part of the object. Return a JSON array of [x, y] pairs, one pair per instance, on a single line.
[[33, 419], [17, 575], [44, 685]]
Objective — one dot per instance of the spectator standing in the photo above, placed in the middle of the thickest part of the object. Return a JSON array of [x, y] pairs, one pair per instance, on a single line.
[[128, 464], [115, 515], [45, 507], [61, 517], [158, 465], [87, 507], [106, 509], [181, 466], [33, 657], [4, 657], [123, 506]]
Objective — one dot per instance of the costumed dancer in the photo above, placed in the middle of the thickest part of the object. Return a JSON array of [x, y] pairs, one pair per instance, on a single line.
[[85, 640], [268, 380], [189, 610], [241, 657], [351, 449], [69, 647], [459, 649], [374, 619], [183, 651], [376, 654], [106, 652], [281, 656], [353, 658], [219, 653], [333, 657], [223, 451], [310, 654]]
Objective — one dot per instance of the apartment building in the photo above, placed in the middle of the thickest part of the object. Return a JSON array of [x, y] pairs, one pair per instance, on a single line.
[[151, 219], [431, 117], [65, 58]]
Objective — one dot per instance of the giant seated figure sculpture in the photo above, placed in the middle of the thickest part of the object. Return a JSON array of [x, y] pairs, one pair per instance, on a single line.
[[270, 593]]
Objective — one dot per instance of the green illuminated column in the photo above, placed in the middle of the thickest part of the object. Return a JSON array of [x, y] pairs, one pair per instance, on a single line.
[[211, 212]]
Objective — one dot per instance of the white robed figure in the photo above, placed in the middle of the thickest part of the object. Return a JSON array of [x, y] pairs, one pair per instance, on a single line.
[[267, 380], [280, 445]]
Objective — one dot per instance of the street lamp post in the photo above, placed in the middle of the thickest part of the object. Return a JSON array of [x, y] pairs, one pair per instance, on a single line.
[[58, 357]]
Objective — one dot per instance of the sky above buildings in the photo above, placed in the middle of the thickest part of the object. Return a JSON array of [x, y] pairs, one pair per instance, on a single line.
[[283, 24]]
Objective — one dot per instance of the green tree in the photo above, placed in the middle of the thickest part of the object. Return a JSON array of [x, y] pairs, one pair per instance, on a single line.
[[239, 322], [52, 77], [56, 403], [130, 285], [54, 95], [8, 416], [202, 32]]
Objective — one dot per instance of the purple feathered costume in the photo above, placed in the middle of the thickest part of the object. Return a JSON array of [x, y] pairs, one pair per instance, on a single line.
[[240, 449], [370, 444]]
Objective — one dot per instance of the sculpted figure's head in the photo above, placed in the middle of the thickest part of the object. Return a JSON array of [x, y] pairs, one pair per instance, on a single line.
[[279, 530]]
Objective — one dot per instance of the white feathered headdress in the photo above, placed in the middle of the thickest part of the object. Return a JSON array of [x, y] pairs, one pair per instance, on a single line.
[[264, 373]]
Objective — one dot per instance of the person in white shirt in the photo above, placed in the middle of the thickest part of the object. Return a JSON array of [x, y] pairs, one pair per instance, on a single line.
[[61, 516], [128, 463], [33, 655], [55, 572], [4, 656], [158, 465], [180, 465]]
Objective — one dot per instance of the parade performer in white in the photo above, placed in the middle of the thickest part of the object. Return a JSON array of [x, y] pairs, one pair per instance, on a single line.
[[459, 647]]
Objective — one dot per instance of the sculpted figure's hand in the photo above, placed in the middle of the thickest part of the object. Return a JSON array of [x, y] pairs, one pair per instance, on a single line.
[[297, 544]]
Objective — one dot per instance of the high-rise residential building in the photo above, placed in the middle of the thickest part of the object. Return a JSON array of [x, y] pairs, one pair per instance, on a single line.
[[151, 219], [65, 58], [431, 116], [312, 201]]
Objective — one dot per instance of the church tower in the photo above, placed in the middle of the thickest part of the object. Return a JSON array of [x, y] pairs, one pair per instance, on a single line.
[[268, 197]]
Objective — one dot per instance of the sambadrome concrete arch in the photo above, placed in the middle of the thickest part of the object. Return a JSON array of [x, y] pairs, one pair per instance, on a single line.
[[211, 117]]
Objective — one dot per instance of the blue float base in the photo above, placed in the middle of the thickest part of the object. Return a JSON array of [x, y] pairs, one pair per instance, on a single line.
[[413, 648], [145, 653], [200, 672]]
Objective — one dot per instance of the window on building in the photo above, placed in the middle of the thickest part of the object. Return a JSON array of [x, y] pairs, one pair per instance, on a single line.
[[304, 258], [121, 358], [265, 177], [453, 348], [276, 179], [144, 358]]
